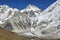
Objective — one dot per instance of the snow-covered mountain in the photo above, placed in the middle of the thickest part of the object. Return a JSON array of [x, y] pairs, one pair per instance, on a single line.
[[32, 21], [31, 10], [49, 21], [13, 20]]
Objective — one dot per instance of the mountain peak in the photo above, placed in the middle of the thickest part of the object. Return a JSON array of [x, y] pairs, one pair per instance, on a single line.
[[4, 6], [30, 7]]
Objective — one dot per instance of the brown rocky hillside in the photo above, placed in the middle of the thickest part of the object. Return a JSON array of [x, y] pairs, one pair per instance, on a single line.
[[7, 35]]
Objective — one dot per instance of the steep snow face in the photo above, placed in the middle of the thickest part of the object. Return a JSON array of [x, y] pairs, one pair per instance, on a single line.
[[32, 12], [13, 20], [6, 13], [49, 21]]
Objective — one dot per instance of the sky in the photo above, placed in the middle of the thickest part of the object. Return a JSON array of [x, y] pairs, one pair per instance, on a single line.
[[21, 4]]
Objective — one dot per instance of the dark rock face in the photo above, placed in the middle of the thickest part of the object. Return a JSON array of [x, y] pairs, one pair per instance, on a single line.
[[8, 26]]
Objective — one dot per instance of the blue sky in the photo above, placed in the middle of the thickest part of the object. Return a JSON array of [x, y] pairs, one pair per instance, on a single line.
[[20, 4]]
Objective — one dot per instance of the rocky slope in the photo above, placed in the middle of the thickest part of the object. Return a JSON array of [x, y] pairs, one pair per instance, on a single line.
[[8, 35]]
